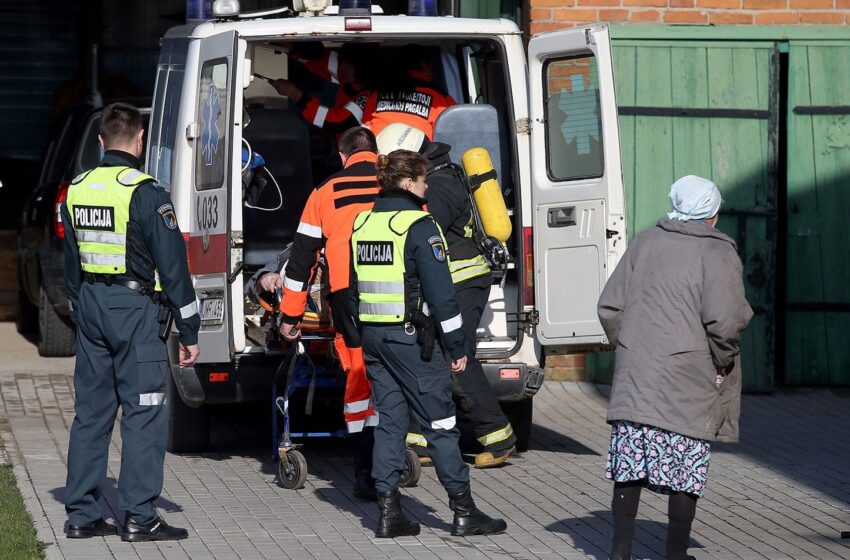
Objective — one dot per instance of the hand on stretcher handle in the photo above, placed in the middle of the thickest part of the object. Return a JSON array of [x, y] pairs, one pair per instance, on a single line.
[[289, 331]]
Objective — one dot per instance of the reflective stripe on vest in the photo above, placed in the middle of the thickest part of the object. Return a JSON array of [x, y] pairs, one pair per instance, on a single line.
[[468, 268], [378, 250], [101, 237], [99, 205]]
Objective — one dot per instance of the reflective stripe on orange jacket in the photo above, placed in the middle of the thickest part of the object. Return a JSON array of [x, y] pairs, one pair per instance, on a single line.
[[347, 110], [327, 221]]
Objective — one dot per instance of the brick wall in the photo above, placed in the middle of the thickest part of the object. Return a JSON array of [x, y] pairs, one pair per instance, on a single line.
[[547, 15]]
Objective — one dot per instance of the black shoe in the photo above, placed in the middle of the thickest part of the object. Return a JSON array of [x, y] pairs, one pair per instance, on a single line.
[[99, 528], [364, 487], [469, 520], [393, 522], [157, 530]]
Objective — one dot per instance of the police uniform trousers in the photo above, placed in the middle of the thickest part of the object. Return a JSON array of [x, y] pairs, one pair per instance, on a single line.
[[402, 381], [120, 360], [481, 420]]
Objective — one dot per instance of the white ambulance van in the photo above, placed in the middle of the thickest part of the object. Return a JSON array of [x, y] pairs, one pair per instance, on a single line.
[[548, 118]]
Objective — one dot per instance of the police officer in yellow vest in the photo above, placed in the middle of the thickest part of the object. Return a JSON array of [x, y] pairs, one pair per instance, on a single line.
[[121, 235], [405, 301], [483, 424]]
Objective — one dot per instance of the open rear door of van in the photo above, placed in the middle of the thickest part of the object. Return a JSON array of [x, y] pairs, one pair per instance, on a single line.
[[579, 226], [211, 135]]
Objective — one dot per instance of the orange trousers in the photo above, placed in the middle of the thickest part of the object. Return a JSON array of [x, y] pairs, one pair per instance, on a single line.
[[359, 412]]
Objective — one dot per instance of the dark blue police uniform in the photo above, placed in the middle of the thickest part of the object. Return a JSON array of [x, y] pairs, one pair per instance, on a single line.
[[402, 378], [121, 358]]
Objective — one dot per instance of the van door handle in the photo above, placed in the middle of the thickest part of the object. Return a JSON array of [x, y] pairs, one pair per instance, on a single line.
[[561, 217], [191, 131]]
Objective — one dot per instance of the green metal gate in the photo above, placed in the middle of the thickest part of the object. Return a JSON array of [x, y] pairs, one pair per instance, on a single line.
[[708, 109], [818, 271]]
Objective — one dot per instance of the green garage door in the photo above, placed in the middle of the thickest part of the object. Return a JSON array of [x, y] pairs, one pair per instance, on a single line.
[[708, 108], [818, 293]]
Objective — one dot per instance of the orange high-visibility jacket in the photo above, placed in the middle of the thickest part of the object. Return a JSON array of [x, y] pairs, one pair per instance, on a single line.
[[328, 220], [418, 107]]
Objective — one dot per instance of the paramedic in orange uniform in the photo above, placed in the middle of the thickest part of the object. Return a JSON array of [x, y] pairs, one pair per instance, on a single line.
[[347, 67], [413, 100], [327, 222]]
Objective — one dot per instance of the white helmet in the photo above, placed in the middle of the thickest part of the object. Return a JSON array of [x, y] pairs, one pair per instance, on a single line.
[[398, 136]]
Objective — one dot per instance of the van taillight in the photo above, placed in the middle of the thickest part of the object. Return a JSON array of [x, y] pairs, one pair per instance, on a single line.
[[528, 267], [61, 195]]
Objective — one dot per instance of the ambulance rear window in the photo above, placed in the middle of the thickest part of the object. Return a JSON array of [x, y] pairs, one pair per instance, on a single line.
[[573, 118], [211, 145]]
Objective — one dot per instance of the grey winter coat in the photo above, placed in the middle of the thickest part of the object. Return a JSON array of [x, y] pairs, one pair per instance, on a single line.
[[674, 308]]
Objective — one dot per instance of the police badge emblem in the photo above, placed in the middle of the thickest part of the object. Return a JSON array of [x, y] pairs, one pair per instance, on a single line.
[[437, 247], [168, 217]]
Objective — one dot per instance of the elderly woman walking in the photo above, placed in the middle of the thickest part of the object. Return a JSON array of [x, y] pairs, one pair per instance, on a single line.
[[674, 309]]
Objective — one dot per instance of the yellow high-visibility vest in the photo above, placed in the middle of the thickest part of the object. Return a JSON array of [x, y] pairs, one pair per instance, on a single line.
[[377, 245], [99, 204]]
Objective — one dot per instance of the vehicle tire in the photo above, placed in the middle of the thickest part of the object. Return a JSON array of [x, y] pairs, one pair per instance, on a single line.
[[412, 469], [56, 334], [27, 319], [188, 428], [519, 414], [292, 470]]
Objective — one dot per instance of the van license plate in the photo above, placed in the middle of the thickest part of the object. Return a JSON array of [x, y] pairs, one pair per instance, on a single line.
[[212, 311]]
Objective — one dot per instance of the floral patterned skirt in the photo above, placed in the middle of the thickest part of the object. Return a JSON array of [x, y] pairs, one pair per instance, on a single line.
[[666, 461]]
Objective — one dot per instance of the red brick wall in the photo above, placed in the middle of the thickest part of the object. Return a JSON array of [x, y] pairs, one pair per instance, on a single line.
[[547, 15]]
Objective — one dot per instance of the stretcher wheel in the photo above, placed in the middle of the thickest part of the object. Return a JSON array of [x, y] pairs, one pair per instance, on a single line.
[[412, 469], [292, 470]]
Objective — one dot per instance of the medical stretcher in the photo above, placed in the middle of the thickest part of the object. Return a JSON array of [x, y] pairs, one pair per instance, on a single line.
[[309, 366]]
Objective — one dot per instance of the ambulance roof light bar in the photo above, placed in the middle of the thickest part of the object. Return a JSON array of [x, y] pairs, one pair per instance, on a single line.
[[355, 7], [422, 8]]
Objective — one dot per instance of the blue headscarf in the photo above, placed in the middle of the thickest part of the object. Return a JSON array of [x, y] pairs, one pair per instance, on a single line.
[[694, 198]]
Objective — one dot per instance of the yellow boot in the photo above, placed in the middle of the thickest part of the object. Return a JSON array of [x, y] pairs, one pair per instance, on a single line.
[[488, 460]]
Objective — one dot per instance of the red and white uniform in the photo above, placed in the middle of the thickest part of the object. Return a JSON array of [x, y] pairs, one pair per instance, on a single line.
[[327, 222], [346, 112]]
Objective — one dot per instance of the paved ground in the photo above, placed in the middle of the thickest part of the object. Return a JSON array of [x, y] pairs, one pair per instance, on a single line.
[[783, 493]]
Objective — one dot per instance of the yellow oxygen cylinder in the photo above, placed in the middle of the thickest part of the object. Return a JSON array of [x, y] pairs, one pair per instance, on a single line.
[[488, 197]]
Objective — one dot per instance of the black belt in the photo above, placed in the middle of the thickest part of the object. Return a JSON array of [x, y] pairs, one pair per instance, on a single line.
[[110, 280]]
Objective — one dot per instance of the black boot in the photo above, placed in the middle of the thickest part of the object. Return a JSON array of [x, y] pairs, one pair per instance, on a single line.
[[469, 520], [393, 523], [364, 487]]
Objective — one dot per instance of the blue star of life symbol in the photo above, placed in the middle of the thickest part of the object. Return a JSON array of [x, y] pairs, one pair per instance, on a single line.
[[582, 122], [209, 124]]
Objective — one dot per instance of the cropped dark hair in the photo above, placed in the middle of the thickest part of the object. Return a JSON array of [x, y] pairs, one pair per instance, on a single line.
[[399, 165], [357, 139], [119, 124]]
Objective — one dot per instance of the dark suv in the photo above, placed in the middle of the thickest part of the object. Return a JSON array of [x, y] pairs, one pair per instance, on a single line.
[[42, 302]]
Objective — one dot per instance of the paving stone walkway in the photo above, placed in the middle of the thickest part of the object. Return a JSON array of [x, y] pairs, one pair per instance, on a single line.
[[783, 493]]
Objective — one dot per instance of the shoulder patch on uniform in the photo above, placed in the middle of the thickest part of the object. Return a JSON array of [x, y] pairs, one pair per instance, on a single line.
[[439, 250], [167, 213]]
